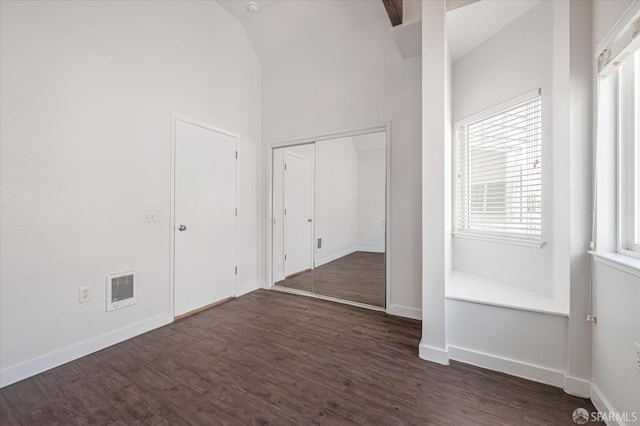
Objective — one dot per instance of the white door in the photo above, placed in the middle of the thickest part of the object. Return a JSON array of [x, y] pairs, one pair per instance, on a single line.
[[205, 217], [298, 206]]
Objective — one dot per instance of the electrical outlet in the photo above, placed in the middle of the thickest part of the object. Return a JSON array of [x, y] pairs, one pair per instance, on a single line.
[[85, 294], [637, 357]]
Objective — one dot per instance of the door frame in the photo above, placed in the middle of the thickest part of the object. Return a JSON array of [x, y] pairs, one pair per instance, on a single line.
[[172, 211], [313, 206], [269, 193]]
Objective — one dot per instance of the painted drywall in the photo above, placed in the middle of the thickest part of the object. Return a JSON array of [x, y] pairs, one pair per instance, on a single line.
[[336, 206], [371, 200], [615, 372], [605, 15], [88, 89], [616, 382], [521, 338], [579, 177], [516, 60], [545, 49], [348, 77], [436, 176]]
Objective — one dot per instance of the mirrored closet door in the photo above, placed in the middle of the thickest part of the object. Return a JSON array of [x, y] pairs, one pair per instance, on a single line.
[[329, 218]]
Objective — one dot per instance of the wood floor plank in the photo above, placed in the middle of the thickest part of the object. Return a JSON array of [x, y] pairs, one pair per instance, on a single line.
[[271, 358], [357, 277]]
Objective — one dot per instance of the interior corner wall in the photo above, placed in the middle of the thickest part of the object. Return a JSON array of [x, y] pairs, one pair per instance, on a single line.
[[88, 91], [353, 81]]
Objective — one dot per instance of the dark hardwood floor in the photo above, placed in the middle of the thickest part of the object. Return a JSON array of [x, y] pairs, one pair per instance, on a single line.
[[271, 358], [358, 277]]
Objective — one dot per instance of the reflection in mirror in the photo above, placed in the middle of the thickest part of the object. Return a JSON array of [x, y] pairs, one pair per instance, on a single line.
[[329, 209], [293, 185], [350, 218]]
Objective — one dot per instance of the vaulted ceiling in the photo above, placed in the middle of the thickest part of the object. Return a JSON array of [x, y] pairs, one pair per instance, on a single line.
[[282, 26], [285, 25]]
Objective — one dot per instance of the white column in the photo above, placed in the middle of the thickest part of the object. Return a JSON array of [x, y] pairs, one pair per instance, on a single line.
[[436, 171]]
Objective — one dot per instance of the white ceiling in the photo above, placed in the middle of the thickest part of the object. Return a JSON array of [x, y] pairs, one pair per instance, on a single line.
[[471, 25], [285, 26], [282, 26], [238, 8]]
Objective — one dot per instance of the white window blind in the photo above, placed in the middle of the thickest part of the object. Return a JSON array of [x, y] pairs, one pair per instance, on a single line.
[[499, 171]]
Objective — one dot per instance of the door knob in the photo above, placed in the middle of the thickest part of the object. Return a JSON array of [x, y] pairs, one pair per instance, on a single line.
[[309, 220], [182, 228]]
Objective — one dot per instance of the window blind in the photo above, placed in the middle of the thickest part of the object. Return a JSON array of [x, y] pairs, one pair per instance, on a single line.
[[499, 173]]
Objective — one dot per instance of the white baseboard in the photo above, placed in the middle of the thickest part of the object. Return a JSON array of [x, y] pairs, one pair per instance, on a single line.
[[577, 387], [604, 406], [404, 311], [524, 370], [334, 256], [278, 277], [56, 358], [437, 355], [248, 288], [371, 249]]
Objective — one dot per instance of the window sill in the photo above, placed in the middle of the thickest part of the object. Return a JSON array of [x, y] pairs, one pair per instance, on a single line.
[[471, 288], [628, 264], [503, 240]]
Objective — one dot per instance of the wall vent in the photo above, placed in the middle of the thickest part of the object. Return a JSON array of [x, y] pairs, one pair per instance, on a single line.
[[121, 290]]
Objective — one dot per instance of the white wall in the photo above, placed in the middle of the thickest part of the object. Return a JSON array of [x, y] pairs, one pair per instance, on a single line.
[[371, 200], [88, 89], [346, 79], [336, 203], [514, 61], [436, 177], [543, 48], [522, 343], [579, 201], [616, 293], [605, 15]]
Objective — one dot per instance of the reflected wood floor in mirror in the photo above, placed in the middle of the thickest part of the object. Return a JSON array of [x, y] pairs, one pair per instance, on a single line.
[[358, 277], [271, 358]]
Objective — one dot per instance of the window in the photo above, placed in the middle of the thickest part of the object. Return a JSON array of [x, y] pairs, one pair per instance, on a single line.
[[499, 171], [618, 132], [629, 154]]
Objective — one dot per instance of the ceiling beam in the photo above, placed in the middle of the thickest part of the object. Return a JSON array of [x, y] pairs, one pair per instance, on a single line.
[[394, 10]]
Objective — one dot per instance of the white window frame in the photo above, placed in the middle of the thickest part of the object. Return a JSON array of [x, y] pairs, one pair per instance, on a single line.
[[628, 147], [459, 127]]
